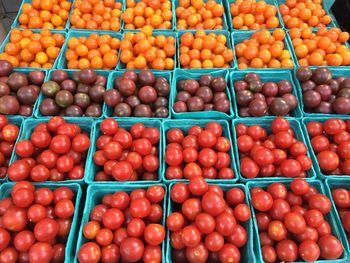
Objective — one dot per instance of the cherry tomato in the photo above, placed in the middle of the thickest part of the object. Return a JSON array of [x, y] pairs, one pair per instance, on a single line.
[[287, 250], [132, 249], [229, 253], [262, 201], [89, 253], [309, 250], [330, 247], [113, 218], [152, 254], [191, 236]]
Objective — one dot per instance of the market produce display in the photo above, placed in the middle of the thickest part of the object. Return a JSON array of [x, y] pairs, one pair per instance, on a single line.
[[264, 49], [207, 224], [36, 222], [205, 50], [54, 151], [94, 15], [330, 142], [50, 14], [271, 154], [8, 136], [19, 90], [322, 92], [81, 94], [198, 152], [294, 222], [192, 131], [125, 226], [253, 15], [27, 48], [198, 14], [209, 93], [127, 155], [255, 98], [92, 51], [139, 94]]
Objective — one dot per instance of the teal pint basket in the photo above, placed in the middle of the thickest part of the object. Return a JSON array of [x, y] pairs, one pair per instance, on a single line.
[[16, 23], [94, 197], [238, 36], [336, 72], [7, 40], [108, 111], [181, 74], [18, 121], [229, 16], [329, 217], [69, 24], [320, 174], [157, 32], [266, 124], [224, 18], [325, 6], [62, 64], [229, 44], [70, 72], [184, 126], [125, 123], [27, 71], [247, 254], [29, 126], [274, 76], [333, 183], [5, 191]]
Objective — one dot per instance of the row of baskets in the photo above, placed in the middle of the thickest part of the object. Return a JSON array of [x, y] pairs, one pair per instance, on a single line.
[[232, 39], [251, 252], [92, 127], [226, 18], [230, 76]]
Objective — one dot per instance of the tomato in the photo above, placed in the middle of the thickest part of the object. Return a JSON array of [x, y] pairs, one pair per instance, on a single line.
[[122, 171], [341, 197], [152, 254], [309, 250], [205, 223], [207, 139], [235, 196], [154, 234], [225, 223], [24, 240], [198, 186], [263, 220], [320, 143], [15, 219], [10, 132], [64, 226], [305, 162], [314, 218], [24, 148], [223, 144], [5, 238], [239, 236], [242, 212], [110, 254], [191, 236], [45, 230], [36, 212], [328, 161], [81, 143], [320, 202], [23, 197], [190, 141], [215, 128], [131, 249], [213, 204], [295, 223], [40, 173], [120, 200], [344, 150], [265, 239], [279, 209], [43, 196], [229, 254], [346, 221], [48, 158], [76, 173], [189, 154], [9, 255], [109, 126], [89, 253], [207, 157], [198, 254], [175, 221], [309, 234], [119, 235], [174, 135], [112, 150], [104, 236], [269, 254], [277, 190], [249, 169], [287, 250], [330, 247], [55, 122], [113, 218], [65, 163], [324, 229], [19, 170], [191, 208], [176, 240], [300, 186], [90, 229], [263, 157], [64, 209], [290, 168], [58, 253], [179, 193], [277, 230], [150, 163], [192, 170], [195, 130], [262, 201], [245, 143]]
